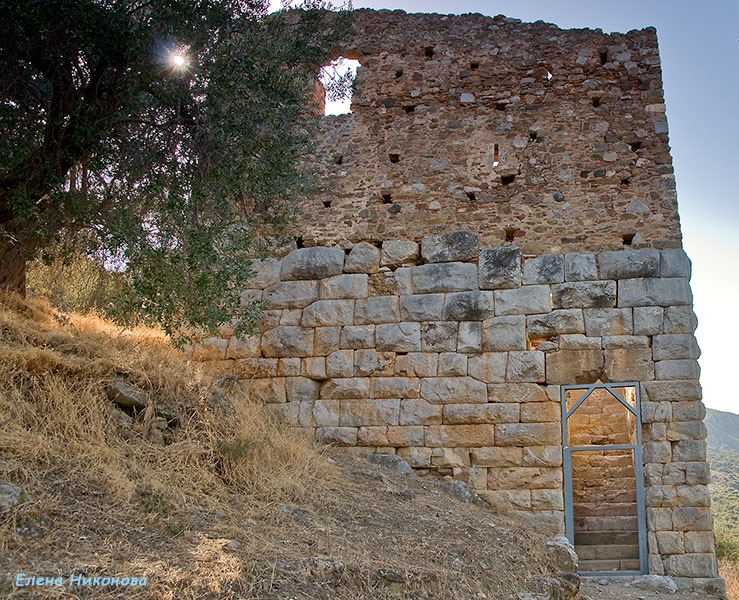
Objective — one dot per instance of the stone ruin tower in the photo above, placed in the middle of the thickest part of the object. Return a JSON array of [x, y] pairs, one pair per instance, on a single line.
[[489, 282]]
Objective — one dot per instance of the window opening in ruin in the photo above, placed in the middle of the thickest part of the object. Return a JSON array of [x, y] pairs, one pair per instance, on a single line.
[[603, 58], [394, 157], [496, 155], [474, 65], [327, 203], [337, 79], [604, 482], [428, 52], [596, 102], [387, 198], [507, 179], [635, 145], [409, 109], [625, 181], [501, 104], [398, 72], [339, 159], [628, 238], [532, 136], [470, 195]]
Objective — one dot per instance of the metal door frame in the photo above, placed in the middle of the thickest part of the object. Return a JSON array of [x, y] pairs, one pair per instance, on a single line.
[[638, 467]]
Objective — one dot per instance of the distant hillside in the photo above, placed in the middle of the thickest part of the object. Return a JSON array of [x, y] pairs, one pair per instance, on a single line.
[[723, 429]]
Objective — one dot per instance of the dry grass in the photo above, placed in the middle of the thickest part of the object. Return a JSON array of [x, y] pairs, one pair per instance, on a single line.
[[729, 570], [229, 504]]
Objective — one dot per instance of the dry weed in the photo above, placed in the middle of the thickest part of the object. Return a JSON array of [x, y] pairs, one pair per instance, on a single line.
[[729, 570]]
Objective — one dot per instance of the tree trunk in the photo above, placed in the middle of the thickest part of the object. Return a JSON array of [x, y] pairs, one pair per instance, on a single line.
[[12, 268]]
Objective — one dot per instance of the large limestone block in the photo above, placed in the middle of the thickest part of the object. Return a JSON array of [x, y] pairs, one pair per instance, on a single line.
[[520, 499], [675, 391], [401, 436], [338, 436], [691, 565], [526, 300], [500, 268], [455, 246], [628, 264], [454, 436], [377, 309], [446, 390], [289, 367], [327, 340], [417, 364], [398, 337], [301, 389], [517, 392], [418, 458], [312, 263], [363, 258], [399, 252], [269, 391], [328, 313], [489, 367], [447, 458], [469, 306], [291, 294], [555, 323], [528, 434], [475, 414], [628, 364], [444, 277], [266, 273], [580, 267], [584, 294], [547, 268], [569, 367], [326, 413], [675, 263], [345, 388], [541, 412], [525, 366], [314, 367], [287, 341], [608, 321], [675, 346], [363, 413], [417, 411], [357, 336], [452, 364], [689, 450], [344, 286], [542, 456], [340, 364], [500, 334], [686, 430], [439, 336], [648, 320], [528, 478], [369, 362], [395, 387], [469, 338], [677, 369], [210, 348], [654, 292], [422, 307], [688, 410], [498, 456], [246, 368], [544, 499], [679, 319], [373, 436]]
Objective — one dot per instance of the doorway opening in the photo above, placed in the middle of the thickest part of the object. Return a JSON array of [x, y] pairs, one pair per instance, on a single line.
[[604, 482]]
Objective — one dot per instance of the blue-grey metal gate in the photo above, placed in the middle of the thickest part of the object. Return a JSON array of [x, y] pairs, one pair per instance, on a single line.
[[587, 428]]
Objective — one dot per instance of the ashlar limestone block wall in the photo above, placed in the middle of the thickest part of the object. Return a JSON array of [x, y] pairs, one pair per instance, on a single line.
[[452, 356]]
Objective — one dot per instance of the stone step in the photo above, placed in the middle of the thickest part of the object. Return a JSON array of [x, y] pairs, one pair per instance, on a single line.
[[607, 552], [592, 509], [611, 523], [630, 564], [597, 538]]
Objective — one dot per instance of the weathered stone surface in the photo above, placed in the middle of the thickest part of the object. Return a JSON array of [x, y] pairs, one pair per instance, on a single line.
[[444, 277], [210, 348], [562, 554], [327, 340], [579, 342], [301, 389], [452, 364], [10, 495], [525, 366], [123, 394], [269, 391], [654, 292], [391, 462], [417, 411], [489, 367], [527, 300], [540, 412], [628, 364], [312, 263], [363, 258], [517, 392], [344, 286], [377, 309], [328, 313], [675, 346], [340, 364], [266, 273], [287, 341], [498, 457], [439, 336], [580, 267], [247, 347], [472, 414], [675, 391], [405, 435], [648, 320], [357, 336], [291, 294], [314, 367], [339, 436], [400, 337], [691, 565], [247, 368], [529, 478], [345, 388], [394, 387], [469, 338], [568, 367], [679, 319], [675, 263], [422, 307], [418, 364], [542, 456], [369, 362], [453, 436], [547, 268], [677, 369], [364, 413], [580, 294], [500, 268], [445, 390], [629, 264], [555, 323], [608, 322], [469, 306], [504, 333], [399, 252], [455, 246]]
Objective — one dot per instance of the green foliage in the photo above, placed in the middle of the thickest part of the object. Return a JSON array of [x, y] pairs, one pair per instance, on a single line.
[[725, 501], [168, 171]]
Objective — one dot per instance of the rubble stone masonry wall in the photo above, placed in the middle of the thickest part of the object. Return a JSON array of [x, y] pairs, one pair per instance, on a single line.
[[497, 218]]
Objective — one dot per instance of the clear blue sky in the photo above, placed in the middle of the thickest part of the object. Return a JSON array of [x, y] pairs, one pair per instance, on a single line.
[[699, 48]]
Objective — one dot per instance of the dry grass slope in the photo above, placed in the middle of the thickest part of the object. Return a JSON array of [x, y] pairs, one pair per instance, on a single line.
[[228, 504]]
